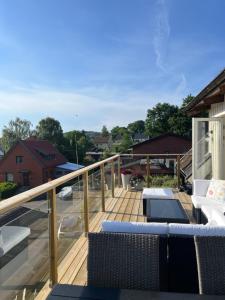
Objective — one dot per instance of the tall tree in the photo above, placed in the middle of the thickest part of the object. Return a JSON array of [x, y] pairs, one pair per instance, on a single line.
[[157, 121], [17, 129], [105, 131], [76, 143], [136, 127], [118, 131], [180, 123], [51, 130], [125, 143]]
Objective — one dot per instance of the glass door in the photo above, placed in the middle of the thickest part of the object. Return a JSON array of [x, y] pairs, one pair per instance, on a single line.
[[207, 145]]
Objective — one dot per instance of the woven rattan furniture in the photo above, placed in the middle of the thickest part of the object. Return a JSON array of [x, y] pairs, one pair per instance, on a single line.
[[126, 261], [77, 292], [210, 253]]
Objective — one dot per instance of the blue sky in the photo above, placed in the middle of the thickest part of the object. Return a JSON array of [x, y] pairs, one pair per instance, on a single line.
[[93, 62]]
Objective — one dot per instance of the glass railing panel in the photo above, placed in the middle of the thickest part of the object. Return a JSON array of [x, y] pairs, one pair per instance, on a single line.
[[94, 193], [24, 250], [70, 217], [138, 172], [108, 181]]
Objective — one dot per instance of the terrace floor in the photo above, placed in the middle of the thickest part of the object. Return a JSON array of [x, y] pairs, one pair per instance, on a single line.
[[126, 206]]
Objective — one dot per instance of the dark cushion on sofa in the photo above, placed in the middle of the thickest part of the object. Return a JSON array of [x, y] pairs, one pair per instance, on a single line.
[[182, 264]]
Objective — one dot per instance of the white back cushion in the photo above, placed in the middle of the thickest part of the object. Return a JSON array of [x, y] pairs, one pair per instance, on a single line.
[[135, 227], [196, 229]]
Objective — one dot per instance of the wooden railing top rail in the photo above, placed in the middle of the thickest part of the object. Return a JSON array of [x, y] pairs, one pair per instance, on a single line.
[[15, 201]]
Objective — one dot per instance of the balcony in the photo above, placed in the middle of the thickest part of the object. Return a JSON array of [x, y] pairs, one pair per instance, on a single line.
[[54, 249]]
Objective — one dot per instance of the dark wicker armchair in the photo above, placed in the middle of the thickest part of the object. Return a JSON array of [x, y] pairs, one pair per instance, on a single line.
[[127, 261], [210, 253]]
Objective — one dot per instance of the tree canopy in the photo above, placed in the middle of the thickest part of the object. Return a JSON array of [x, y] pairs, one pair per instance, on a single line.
[[17, 129], [136, 127], [157, 121], [165, 118], [51, 130]]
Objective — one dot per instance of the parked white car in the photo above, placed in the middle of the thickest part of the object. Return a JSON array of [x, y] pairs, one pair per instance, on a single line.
[[66, 193]]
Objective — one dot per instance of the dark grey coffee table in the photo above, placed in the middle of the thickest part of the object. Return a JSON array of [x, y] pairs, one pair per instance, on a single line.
[[166, 210]]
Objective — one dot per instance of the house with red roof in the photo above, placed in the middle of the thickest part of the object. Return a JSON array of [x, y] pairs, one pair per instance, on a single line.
[[32, 162]]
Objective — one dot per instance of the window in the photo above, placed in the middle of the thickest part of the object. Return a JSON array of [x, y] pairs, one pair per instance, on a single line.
[[19, 159], [9, 177]]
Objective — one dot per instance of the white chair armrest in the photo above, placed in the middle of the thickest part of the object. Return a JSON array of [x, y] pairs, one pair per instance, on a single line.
[[200, 187]]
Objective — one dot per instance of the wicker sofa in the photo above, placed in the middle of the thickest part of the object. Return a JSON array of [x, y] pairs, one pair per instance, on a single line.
[[204, 210], [177, 260]]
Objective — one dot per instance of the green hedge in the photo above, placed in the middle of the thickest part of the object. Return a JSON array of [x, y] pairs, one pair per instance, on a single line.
[[7, 189], [163, 181]]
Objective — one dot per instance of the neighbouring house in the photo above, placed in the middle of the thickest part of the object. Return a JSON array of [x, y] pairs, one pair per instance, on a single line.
[[32, 162], [102, 142], [168, 143], [208, 159]]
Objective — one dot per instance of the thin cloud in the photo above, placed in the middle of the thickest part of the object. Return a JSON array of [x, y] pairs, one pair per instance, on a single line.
[[162, 34], [94, 106]]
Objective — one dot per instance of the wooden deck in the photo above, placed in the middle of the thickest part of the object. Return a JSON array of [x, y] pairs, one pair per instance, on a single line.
[[126, 206]]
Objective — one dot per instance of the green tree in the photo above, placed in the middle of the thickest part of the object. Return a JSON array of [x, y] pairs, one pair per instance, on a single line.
[[187, 100], [118, 131], [136, 127], [105, 131], [51, 130], [125, 144], [76, 141], [157, 121], [17, 129]]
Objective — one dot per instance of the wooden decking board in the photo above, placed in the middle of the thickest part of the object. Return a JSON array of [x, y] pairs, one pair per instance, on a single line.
[[125, 206]]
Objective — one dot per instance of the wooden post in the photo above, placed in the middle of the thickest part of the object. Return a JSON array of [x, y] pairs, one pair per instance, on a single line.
[[113, 178], [178, 171], [119, 172], [148, 171], [52, 237], [103, 186], [85, 191]]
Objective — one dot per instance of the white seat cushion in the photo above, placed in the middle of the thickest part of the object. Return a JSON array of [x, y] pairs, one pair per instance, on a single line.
[[135, 227], [11, 236], [218, 217], [196, 229], [157, 193], [207, 211], [198, 201]]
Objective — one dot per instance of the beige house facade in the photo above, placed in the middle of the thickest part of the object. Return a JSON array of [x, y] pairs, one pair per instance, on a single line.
[[208, 133]]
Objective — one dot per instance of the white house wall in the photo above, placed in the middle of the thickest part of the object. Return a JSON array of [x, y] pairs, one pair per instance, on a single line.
[[218, 133]]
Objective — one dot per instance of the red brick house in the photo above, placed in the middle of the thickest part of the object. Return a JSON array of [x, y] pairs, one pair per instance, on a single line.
[[30, 162]]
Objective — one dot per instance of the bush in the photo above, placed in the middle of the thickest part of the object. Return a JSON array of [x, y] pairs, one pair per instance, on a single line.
[[7, 189], [163, 181]]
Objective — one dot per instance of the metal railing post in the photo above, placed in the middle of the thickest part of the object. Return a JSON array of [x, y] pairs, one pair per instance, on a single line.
[[86, 217], [52, 237], [148, 171], [119, 172], [178, 171], [113, 178], [103, 186]]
